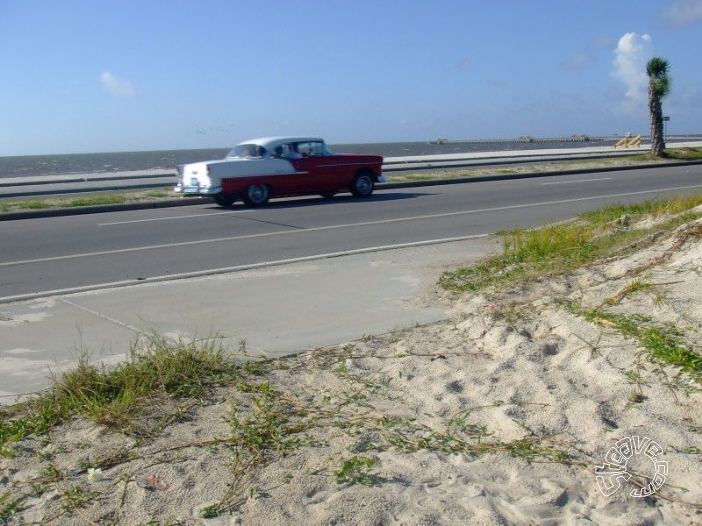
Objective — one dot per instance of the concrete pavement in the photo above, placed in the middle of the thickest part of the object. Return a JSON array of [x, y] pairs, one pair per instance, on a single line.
[[275, 310]]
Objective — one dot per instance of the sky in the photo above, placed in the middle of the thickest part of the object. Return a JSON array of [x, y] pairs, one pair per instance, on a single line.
[[84, 76]]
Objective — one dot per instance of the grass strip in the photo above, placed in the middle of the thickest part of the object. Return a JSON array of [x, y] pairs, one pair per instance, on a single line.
[[90, 199]]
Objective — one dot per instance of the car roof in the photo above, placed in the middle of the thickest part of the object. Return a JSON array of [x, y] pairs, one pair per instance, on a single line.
[[271, 142]]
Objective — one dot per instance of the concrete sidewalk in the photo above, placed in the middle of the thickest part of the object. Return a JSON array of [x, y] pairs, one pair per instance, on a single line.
[[275, 311]]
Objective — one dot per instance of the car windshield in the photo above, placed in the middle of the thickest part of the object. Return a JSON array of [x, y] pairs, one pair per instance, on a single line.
[[247, 150]]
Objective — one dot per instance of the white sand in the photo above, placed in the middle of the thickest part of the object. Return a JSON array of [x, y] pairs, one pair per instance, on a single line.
[[521, 364]]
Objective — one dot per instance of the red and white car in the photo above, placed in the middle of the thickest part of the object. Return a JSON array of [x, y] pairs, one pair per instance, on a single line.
[[259, 169]]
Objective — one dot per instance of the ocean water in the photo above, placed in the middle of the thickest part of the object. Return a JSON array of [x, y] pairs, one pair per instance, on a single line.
[[31, 165]]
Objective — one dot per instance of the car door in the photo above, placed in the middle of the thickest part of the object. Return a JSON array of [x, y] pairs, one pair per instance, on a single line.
[[324, 173]]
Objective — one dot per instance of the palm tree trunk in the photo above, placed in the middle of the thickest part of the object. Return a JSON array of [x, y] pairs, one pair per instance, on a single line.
[[656, 112]]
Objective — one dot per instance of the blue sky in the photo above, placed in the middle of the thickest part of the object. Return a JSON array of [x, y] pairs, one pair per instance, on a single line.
[[123, 75]]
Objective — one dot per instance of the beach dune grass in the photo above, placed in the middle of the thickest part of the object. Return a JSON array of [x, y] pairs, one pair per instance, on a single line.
[[533, 253], [115, 396]]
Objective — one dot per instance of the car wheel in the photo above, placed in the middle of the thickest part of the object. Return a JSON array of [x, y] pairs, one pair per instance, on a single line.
[[224, 199], [256, 195], [362, 185]]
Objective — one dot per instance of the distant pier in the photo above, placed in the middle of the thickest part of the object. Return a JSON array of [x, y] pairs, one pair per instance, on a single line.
[[527, 139]]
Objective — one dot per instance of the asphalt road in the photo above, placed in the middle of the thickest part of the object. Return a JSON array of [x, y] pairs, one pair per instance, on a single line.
[[67, 253]]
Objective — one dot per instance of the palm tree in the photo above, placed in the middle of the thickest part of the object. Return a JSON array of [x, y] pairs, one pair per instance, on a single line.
[[658, 87]]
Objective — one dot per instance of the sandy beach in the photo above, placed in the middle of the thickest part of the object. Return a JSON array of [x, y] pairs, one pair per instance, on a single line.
[[505, 414]]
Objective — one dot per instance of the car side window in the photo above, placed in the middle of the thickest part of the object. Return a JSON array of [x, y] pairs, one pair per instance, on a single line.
[[312, 149], [247, 150]]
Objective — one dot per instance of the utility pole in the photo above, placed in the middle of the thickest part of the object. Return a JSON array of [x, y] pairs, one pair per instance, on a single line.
[[665, 126]]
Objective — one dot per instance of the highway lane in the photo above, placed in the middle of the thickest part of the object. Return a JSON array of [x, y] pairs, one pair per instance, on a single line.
[[49, 254]]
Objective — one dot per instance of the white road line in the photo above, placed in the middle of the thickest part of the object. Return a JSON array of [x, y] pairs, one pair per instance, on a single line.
[[578, 181], [169, 218], [337, 227]]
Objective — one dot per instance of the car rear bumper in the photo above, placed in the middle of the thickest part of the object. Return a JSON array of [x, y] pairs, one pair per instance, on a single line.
[[198, 190]]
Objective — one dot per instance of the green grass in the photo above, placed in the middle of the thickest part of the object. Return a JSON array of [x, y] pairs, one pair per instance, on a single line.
[[654, 207], [115, 396], [529, 254], [356, 470], [680, 154], [662, 343], [555, 249], [9, 507], [91, 199], [97, 200]]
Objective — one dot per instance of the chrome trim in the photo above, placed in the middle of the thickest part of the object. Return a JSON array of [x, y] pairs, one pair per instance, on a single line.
[[197, 190], [341, 164]]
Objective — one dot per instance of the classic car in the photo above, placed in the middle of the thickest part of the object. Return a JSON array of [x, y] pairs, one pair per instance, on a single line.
[[256, 170]]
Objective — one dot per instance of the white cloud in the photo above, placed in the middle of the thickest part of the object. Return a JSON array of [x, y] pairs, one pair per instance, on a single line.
[[683, 12], [116, 86], [586, 56], [577, 61], [631, 55]]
